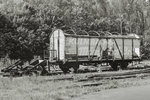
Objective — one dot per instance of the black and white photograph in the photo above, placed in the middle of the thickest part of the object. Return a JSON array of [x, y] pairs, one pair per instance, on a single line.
[[74, 49]]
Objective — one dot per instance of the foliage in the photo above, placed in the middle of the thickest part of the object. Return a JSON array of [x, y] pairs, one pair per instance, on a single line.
[[25, 25]]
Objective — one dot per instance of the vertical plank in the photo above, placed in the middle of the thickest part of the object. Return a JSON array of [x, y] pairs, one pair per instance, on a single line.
[[117, 48], [64, 48], [132, 48], [49, 48], [123, 48], [76, 49], [53, 46], [100, 51], [58, 45], [107, 48], [89, 47]]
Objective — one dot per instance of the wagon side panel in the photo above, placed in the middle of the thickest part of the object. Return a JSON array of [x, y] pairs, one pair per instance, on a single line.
[[57, 44], [106, 49], [61, 45], [127, 48], [70, 48], [83, 44], [118, 49], [95, 47], [136, 48]]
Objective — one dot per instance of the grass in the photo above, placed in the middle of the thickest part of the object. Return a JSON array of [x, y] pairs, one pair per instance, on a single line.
[[45, 88], [39, 88]]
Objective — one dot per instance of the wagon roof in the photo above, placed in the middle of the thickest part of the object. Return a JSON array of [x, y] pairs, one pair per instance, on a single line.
[[100, 34], [97, 34]]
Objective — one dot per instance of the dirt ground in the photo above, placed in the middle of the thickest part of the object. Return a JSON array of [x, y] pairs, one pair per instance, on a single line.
[[47, 88], [129, 93]]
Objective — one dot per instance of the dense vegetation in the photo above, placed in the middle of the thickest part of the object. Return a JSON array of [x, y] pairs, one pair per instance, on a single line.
[[25, 25]]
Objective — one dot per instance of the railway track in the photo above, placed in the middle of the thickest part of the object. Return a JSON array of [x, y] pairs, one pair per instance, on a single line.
[[94, 79], [98, 79], [106, 73], [96, 76]]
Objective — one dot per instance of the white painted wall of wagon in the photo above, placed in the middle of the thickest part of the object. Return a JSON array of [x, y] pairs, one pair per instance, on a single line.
[[99, 48], [57, 34]]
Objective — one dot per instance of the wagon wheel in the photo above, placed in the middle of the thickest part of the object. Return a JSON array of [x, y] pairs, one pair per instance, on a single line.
[[64, 67], [124, 65], [75, 68], [114, 65]]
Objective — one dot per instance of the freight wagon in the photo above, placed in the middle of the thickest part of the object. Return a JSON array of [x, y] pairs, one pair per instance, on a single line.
[[68, 49]]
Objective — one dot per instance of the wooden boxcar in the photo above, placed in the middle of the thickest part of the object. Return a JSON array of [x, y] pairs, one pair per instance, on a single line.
[[71, 50]]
